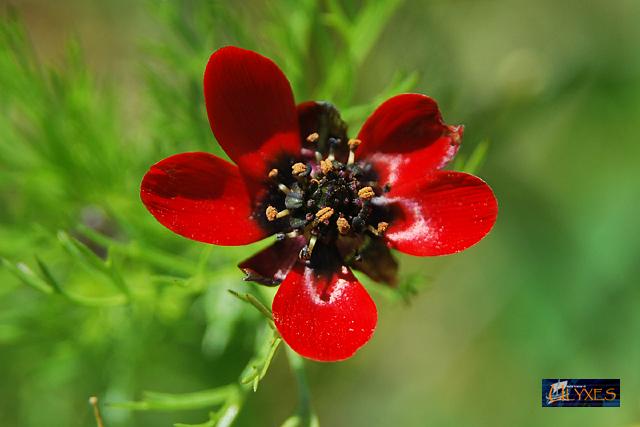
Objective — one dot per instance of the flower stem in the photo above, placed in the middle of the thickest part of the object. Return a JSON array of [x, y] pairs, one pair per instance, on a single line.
[[305, 412], [93, 400]]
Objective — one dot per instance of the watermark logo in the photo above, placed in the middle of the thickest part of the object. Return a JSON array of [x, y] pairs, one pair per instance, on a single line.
[[580, 392]]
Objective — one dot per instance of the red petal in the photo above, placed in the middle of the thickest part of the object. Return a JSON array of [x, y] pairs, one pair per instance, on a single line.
[[202, 197], [406, 137], [441, 214], [271, 265], [324, 317], [251, 109]]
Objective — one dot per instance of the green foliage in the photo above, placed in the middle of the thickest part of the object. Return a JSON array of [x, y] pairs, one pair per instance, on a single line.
[[27, 276], [472, 163], [260, 365], [173, 402]]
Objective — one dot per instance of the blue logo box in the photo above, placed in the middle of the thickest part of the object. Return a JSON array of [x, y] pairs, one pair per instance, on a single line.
[[574, 392]]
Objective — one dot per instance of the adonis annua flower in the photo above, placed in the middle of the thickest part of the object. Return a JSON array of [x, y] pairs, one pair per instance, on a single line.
[[333, 203]]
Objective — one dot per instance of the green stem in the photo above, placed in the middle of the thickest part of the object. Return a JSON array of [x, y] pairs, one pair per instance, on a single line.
[[296, 362]]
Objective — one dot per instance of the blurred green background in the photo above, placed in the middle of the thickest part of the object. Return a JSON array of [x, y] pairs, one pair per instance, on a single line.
[[98, 298]]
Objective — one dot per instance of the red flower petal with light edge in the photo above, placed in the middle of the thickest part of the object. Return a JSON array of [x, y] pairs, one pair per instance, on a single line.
[[405, 138], [251, 109], [441, 214], [271, 265], [324, 317], [202, 197]]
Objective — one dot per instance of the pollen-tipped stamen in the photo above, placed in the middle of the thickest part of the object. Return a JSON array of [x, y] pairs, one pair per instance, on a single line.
[[272, 213], [366, 193], [343, 225], [324, 214], [313, 138], [380, 229], [298, 169], [353, 144], [326, 166]]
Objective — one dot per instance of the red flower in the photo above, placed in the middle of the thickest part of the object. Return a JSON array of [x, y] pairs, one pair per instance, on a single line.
[[333, 203]]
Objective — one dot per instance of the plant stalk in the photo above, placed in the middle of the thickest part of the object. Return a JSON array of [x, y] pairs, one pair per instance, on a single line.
[[296, 362]]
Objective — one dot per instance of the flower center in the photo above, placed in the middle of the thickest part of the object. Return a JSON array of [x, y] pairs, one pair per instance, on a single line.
[[324, 199]]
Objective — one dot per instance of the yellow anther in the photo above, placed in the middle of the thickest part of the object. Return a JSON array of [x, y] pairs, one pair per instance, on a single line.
[[382, 227], [273, 173], [298, 169], [313, 137], [343, 225], [326, 166], [324, 214], [353, 144], [271, 213], [366, 193]]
